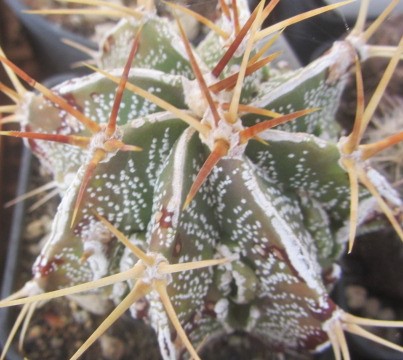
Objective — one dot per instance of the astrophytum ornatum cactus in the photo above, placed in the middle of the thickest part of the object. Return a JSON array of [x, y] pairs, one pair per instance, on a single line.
[[177, 191]]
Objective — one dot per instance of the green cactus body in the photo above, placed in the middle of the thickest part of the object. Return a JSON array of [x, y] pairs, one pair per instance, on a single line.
[[276, 205]]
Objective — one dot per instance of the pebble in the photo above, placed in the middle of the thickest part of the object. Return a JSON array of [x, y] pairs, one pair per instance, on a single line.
[[37, 228], [112, 347], [356, 296], [387, 314], [372, 307], [34, 332]]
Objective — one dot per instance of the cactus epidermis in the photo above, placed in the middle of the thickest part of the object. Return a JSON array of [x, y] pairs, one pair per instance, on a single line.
[[225, 215]]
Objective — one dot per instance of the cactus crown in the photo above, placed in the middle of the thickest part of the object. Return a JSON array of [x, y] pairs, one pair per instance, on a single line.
[[175, 183]]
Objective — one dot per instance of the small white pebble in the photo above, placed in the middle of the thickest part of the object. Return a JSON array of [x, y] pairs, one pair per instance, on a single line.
[[112, 347], [372, 307], [387, 314], [356, 296]]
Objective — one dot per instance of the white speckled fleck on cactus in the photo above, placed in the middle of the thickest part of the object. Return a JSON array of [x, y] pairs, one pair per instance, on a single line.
[[206, 183]]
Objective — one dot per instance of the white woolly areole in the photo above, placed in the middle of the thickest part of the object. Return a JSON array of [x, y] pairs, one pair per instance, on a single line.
[[224, 131], [127, 261], [229, 132], [355, 155], [221, 309], [32, 288], [98, 141], [119, 290], [194, 97], [227, 253], [336, 317], [94, 243], [254, 315], [98, 261], [226, 277], [152, 273], [335, 271], [138, 308], [224, 283], [359, 44], [242, 287], [22, 112]]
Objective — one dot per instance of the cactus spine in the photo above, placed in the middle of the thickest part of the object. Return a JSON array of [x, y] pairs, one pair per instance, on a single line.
[[176, 189]]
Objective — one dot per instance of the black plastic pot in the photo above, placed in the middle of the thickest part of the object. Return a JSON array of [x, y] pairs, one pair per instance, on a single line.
[[364, 349], [311, 36], [46, 38], [12, 256], [11, 268]]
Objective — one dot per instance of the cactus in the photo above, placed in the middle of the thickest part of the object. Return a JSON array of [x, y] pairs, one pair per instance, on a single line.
[[203, 182]]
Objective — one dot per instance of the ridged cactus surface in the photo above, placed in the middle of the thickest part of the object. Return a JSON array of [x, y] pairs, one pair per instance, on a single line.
[[208, 185]]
